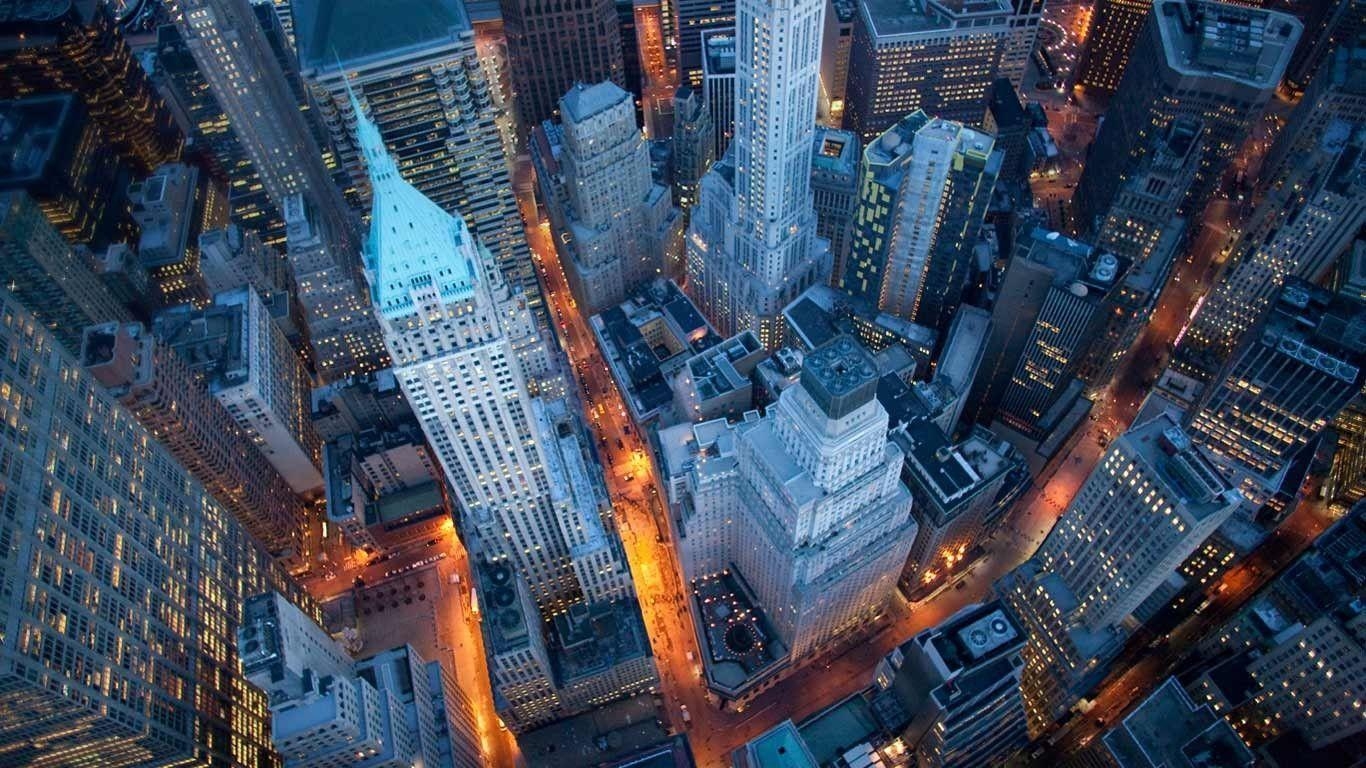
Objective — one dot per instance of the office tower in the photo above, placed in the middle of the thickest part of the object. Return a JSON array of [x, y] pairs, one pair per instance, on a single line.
[[835, 46], [615, 224], [462, 338], [956, 689], [1337, 95], [1144, 226], [1216, 62], [932, 223], [1152, 499], [1291, 375], [1302, 226], [41, 271], [953, 486], [1345, 483], [226, 39], [1327, 27], [765, 251], [392, 708], [550, 48], [423, 72], [75, 46], [249, 366], [172, 207], [818, 468], [718, 85], [1168, 728], [1011, 126], [1047, 312], [231, 257], [693, 143], [137, 665], [1018, 47], [697, 20], [1110, 37], [924, 55], [834, 189], [212, 138], [164, 394], [961, 356], [51, 148]]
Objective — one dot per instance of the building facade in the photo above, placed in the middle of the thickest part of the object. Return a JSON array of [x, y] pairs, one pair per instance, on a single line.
[[552, 47], [124, 655], [756, 247], [1110, 37]]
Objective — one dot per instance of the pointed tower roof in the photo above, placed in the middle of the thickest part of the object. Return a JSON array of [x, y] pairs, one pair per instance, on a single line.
[[413, 244]]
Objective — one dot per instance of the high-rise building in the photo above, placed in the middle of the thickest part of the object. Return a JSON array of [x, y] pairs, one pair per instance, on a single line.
[[123, 656], [1110, 37], [959, 358], [1047, 313], [1213, 61], [1291, 375], [425, 85], [955, 689], [231, 257], [746, 265], [718, 85], [227, 40], [1018, 47], [41, 270], [835, 46], [75, 46], [1169, 728], [1328, 27], [1144, 226], [697, 19], [693, 144], [818, 468], [251, 369], [1336, 96], [1152, 499], [614, 226], [172, 207], [552, 47], [834, 190], [161, 390], [212, 138], [924, 55], [328, 711], [52, 149], [953, 487], [926, 186], [466, 352], [1300, 229]]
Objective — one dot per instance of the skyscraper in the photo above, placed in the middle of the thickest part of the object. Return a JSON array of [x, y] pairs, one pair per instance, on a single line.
[[124, 655], [718, 85], [171, 402], [957, 687], [693, 145], [818, 468], [75, 46], [1302, 226], [426, 71], [834, 189], [552, 47], [465, 350], [1110, 37], [244, 73], [1337, 95], [1046, 315], [765, 251], [1288, 378], [1144, 226], [835, 47], [615, 224], [1216, 62], [924, 55], [45, 274], [327, 710], [1152, 499], [697, 18], [926, 186], [251, 369]]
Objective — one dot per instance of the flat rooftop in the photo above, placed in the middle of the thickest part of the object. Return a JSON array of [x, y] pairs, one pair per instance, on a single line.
[[1216, 39], [358, 30], [1168, 730], [780, 747], [894, 18]]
